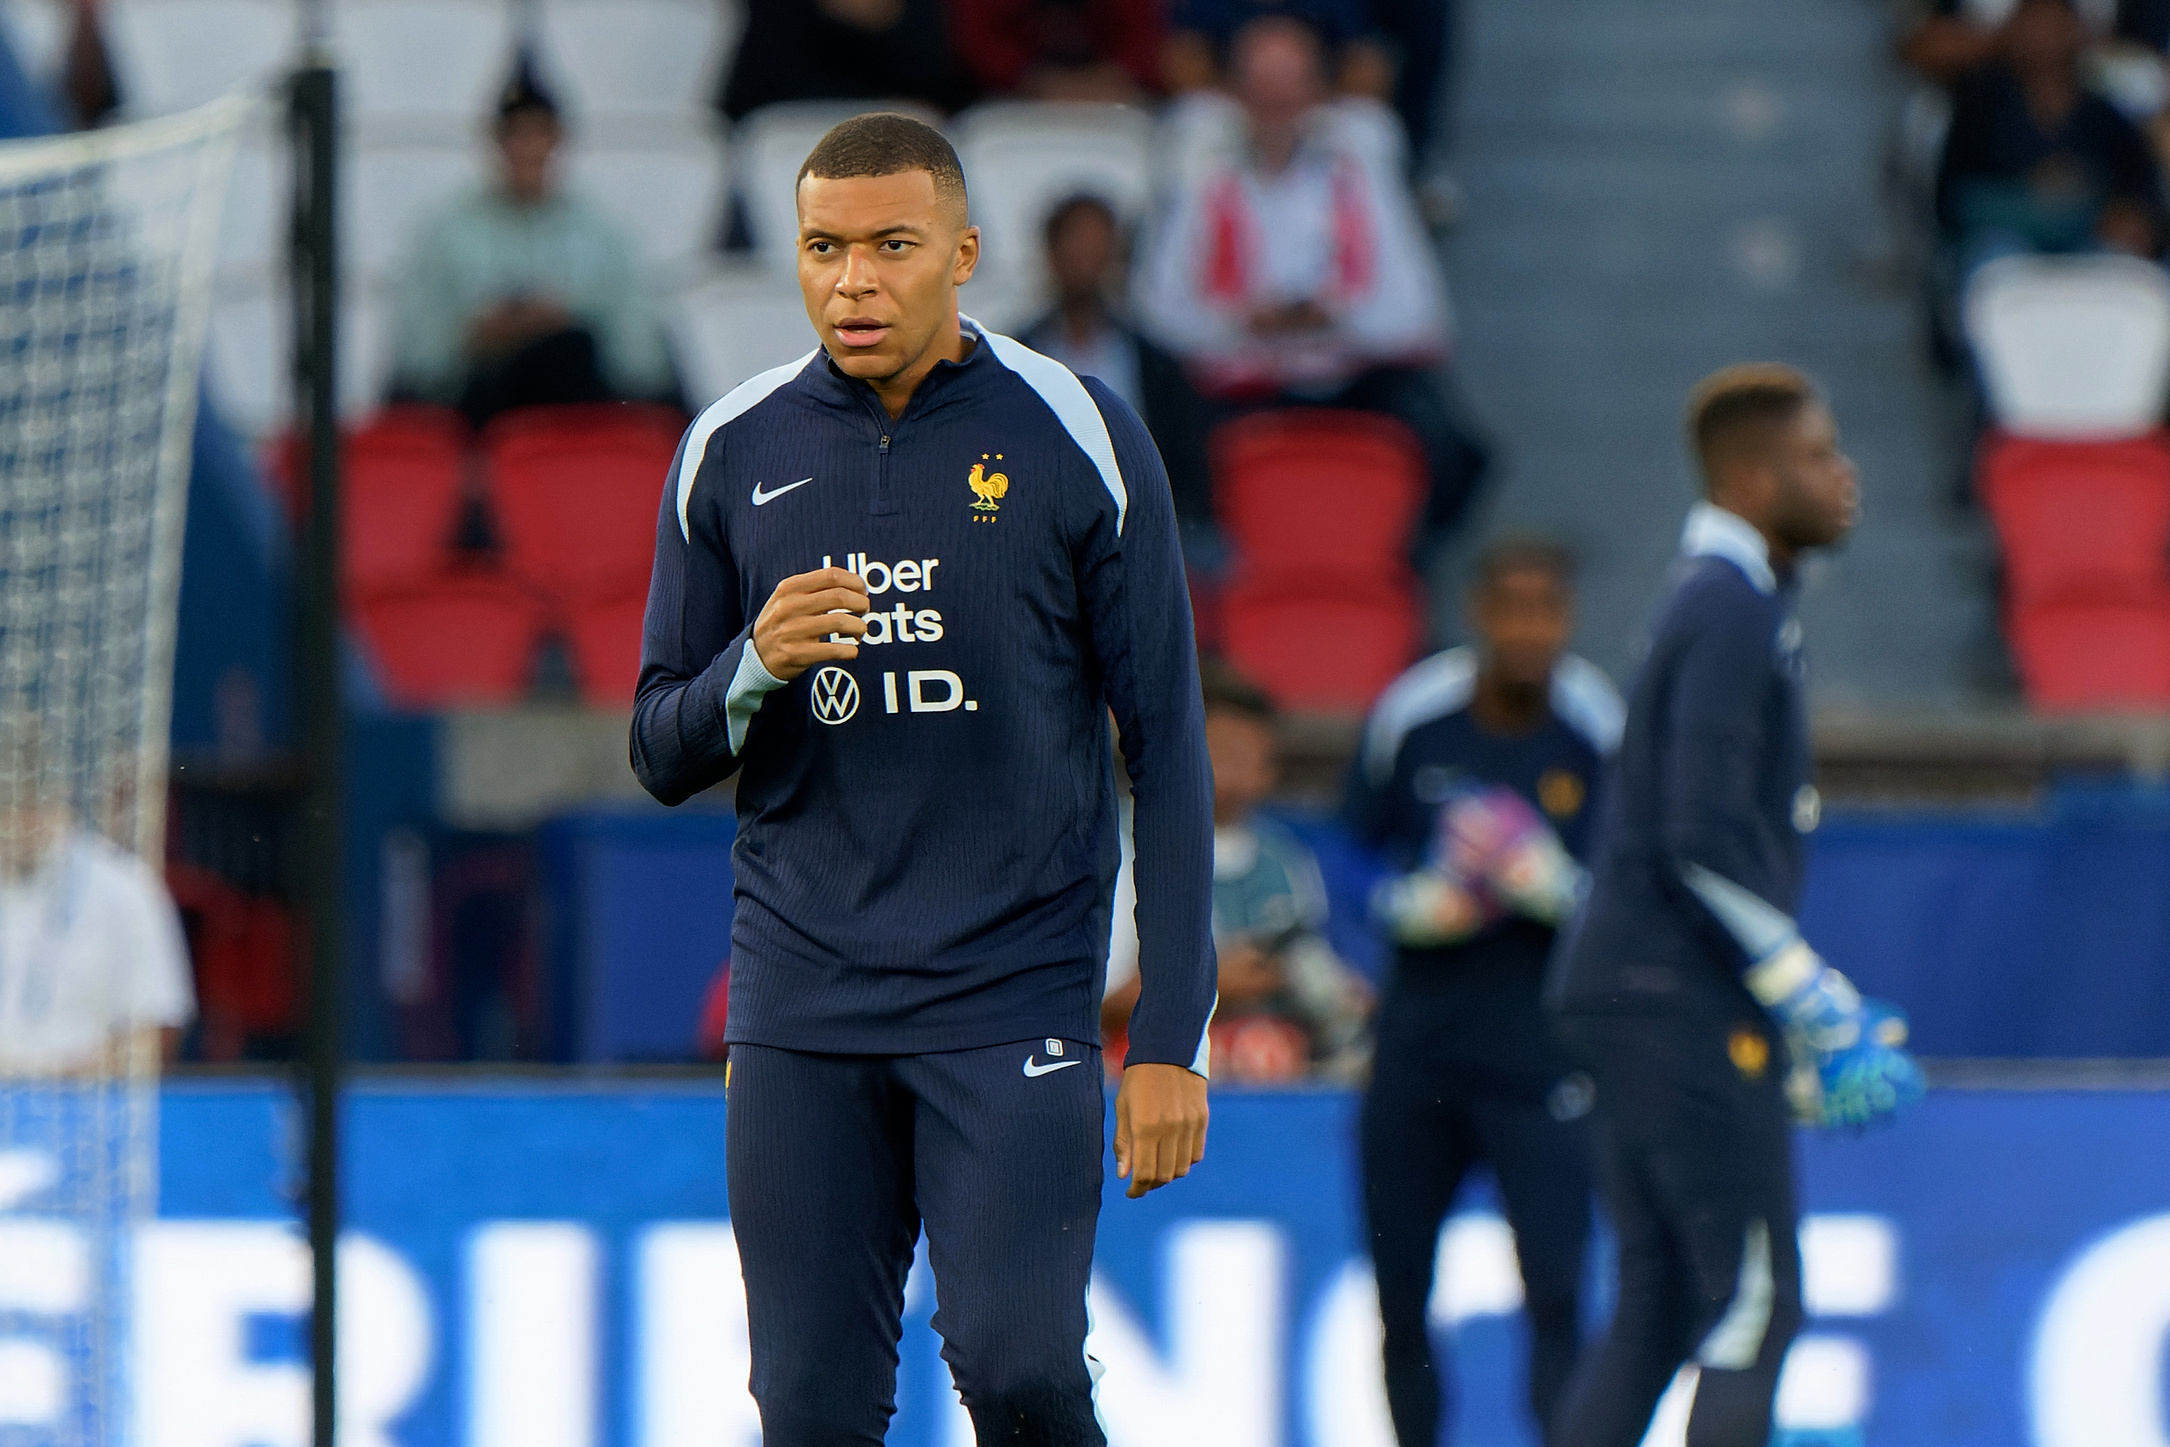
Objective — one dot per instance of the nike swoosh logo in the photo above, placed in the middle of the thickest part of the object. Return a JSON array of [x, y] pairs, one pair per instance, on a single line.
[[760, 497], [1034, 1069]]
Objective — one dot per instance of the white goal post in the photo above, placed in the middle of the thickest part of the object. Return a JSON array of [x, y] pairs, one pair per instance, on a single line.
[[107, 242]]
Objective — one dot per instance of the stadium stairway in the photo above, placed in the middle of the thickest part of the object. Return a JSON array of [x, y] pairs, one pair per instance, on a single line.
[[1656, 190]]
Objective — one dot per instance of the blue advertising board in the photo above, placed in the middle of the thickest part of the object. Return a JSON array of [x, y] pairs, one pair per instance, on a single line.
[[551, 1266]]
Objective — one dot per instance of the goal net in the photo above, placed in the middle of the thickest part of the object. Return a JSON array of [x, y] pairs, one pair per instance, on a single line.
[[106, 248]]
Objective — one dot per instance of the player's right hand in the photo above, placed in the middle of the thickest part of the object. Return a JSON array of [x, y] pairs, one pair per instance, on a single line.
[[793, 632]]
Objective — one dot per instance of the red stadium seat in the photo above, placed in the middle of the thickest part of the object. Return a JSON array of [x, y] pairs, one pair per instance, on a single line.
[[2094, 654], [1320, 489], [602, 636], [1320, 644], [466, 638], [574, 491], [2090, 517], [401, 486]]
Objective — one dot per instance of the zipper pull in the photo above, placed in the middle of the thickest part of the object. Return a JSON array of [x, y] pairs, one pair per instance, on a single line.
[[885, 442]]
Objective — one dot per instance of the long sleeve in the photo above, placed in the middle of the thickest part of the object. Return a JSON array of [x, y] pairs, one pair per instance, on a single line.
[[1712, 816], [1138, 610], [701, 680]]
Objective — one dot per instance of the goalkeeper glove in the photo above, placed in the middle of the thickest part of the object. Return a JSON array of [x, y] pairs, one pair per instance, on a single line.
[[1432, 907], [1850, 1065], [1495, 836]]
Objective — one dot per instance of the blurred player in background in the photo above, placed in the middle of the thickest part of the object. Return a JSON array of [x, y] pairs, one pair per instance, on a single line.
[[1684, 986], [927, 836], [94, 975], [1478, 775]]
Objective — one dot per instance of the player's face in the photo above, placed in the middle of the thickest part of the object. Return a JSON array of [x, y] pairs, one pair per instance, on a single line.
[[1244, 764], [1819, 496], [880, 261], [1523, 620]]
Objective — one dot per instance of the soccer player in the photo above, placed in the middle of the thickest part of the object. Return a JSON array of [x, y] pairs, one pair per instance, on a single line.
[[898, 587], [1478, 776], [1683, 986]]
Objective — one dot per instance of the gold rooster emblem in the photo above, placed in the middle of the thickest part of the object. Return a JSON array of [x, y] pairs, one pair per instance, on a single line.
[[991, 487]]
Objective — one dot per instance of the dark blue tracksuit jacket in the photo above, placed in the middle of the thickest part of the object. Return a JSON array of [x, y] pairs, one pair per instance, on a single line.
[[1701, 839], [927, 833]]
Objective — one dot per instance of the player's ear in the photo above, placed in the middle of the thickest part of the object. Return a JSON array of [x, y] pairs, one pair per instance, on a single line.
[[968, 255]]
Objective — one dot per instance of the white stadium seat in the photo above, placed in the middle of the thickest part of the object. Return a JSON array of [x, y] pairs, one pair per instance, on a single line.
[[390, 191], [169, 55], [424, 67], [251, 342], [2072, 347], [767, 149], [257, 198], [1022, 157], [643, 63], [669, 197], [733, 325], [37, 31]]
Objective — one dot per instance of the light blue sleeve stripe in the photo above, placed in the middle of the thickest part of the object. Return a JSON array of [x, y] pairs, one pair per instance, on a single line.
[[742, 700], [1072, 405], [1761, 930], [734, 404]]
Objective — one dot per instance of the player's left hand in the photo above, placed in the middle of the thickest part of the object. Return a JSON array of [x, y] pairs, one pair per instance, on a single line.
[[1868, 1081], [1160, 1125]]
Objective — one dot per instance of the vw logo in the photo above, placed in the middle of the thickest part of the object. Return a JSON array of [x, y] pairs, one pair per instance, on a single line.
[[836, 695]]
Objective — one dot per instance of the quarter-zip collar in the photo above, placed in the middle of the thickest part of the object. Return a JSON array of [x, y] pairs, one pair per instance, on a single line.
[[1713, 532], [934, 389]]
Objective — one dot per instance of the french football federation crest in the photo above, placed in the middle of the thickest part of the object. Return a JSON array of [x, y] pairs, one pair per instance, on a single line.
[[991, 487]]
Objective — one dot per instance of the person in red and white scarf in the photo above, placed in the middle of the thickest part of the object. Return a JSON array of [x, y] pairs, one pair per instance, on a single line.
[[1295, 270]]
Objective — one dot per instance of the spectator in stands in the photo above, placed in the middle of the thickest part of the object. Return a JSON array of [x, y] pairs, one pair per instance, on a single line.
[[1088, 333], [520, 294], [1200, 50], [1288, 1007], [868, 50], [1297, 272], [1073, 50], [1947, 44], [2037, 163]]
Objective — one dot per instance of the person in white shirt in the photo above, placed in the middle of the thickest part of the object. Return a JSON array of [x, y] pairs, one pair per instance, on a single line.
[[94, 974], [1295, 271]]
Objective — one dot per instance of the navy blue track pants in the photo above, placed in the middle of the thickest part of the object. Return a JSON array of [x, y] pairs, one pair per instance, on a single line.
[[836, 1161]]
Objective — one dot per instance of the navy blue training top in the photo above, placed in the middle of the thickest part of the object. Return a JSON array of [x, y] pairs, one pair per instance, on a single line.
[[1476, 1006], [927, 834], [1712, 782]]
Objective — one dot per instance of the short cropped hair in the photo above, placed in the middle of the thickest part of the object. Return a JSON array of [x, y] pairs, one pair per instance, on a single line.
[[884, 143], [1742, 406], [1525, 555], [524, 93], [1227, 691]]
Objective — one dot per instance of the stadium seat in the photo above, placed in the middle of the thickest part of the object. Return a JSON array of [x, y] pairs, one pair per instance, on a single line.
[[461, 639], [1319, 490], [767, 148], [168, 55], [2072, 347], [1025, 156], [2092, 654], [391, 190], [2078, 515], [1320, 644], [668, 196], [602, 638], [733, 325], [637, 64], [251, 340], [257, 199], [574, 491], [400, 497], [424, 69]]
